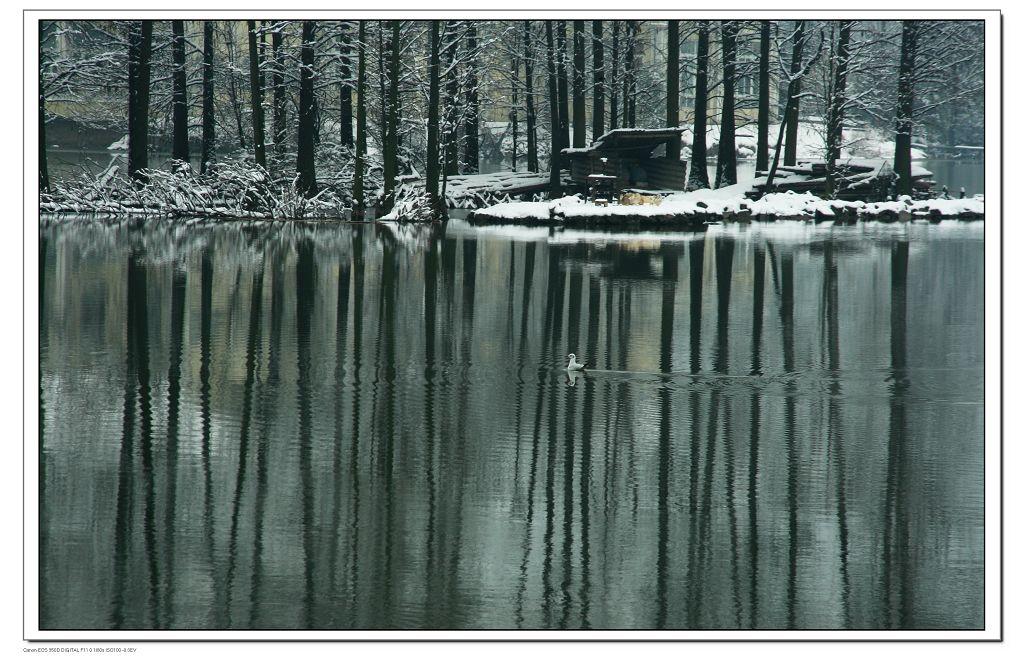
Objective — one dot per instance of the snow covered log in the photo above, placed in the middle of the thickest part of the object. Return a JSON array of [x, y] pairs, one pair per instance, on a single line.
[[867, 180]]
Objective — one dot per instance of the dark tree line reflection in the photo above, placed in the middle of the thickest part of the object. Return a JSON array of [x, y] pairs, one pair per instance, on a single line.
[[361, 427]]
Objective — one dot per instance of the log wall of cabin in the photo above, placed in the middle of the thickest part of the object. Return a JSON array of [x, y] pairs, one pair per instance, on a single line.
[[662, 173]]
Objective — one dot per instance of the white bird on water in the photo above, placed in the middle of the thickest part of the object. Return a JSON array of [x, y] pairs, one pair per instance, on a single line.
[[574, 365]]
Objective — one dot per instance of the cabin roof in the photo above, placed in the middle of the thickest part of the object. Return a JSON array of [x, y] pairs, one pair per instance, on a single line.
[[632, 142]]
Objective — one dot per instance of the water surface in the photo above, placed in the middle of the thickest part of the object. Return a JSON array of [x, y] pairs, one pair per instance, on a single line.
[[253, 425]]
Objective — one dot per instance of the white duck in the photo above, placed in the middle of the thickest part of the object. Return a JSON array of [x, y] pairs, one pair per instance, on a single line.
[[574, 365]]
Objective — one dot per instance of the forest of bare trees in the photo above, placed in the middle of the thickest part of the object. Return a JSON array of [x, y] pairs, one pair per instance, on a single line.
[[362, 111]]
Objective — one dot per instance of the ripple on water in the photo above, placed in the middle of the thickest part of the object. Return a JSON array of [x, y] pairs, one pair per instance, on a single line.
[[391, 475]]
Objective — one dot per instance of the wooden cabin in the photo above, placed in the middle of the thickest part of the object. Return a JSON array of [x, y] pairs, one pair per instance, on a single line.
[[634, 156]]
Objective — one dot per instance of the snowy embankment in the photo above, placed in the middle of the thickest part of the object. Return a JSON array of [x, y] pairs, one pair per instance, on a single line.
[[729, 204], [232, 191]]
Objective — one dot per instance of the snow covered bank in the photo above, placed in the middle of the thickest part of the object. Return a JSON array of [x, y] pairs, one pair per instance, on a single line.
[[231, 190], [728, 204]]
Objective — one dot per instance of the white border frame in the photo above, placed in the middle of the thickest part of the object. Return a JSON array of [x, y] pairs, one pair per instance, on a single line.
[[993, 342]]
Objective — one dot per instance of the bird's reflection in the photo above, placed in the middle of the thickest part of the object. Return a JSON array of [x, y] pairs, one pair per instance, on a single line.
[[570, 378]]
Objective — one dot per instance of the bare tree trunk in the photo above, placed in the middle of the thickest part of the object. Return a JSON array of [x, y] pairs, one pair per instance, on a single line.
[[209, 124], [256, 94], [305, 162], [629, 89], [556, 146], [725, 174], [579, 63], [391, 115], [699, 151], [613, 82], [451, 138], [513, 115], [233, 93], [382, 94], [563, 86], [905, 107], [837, 107], [280, 97], [433, 119], [793, 120], [472, 104], [598, 49], [763, 100], [140, 48], [358, 193], [179, 144], [672, 102], [531, 112], [788, 115], [769, 185], [44, 171], [345, 90]]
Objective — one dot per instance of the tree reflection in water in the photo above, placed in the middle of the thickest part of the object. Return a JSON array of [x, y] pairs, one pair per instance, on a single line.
[[288, 426]]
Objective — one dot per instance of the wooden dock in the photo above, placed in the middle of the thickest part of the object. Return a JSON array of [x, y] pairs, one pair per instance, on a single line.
[[475, 191]]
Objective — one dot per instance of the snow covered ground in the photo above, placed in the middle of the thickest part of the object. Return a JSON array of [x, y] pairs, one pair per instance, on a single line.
[[727, 201], [119, 145], [858, 142]]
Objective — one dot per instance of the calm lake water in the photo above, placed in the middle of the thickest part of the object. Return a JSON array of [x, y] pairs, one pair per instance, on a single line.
[[352, 426]]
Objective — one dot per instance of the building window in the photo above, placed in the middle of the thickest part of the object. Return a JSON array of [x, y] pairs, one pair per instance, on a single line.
[[688, 72], [746, 76], [746, 86]]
